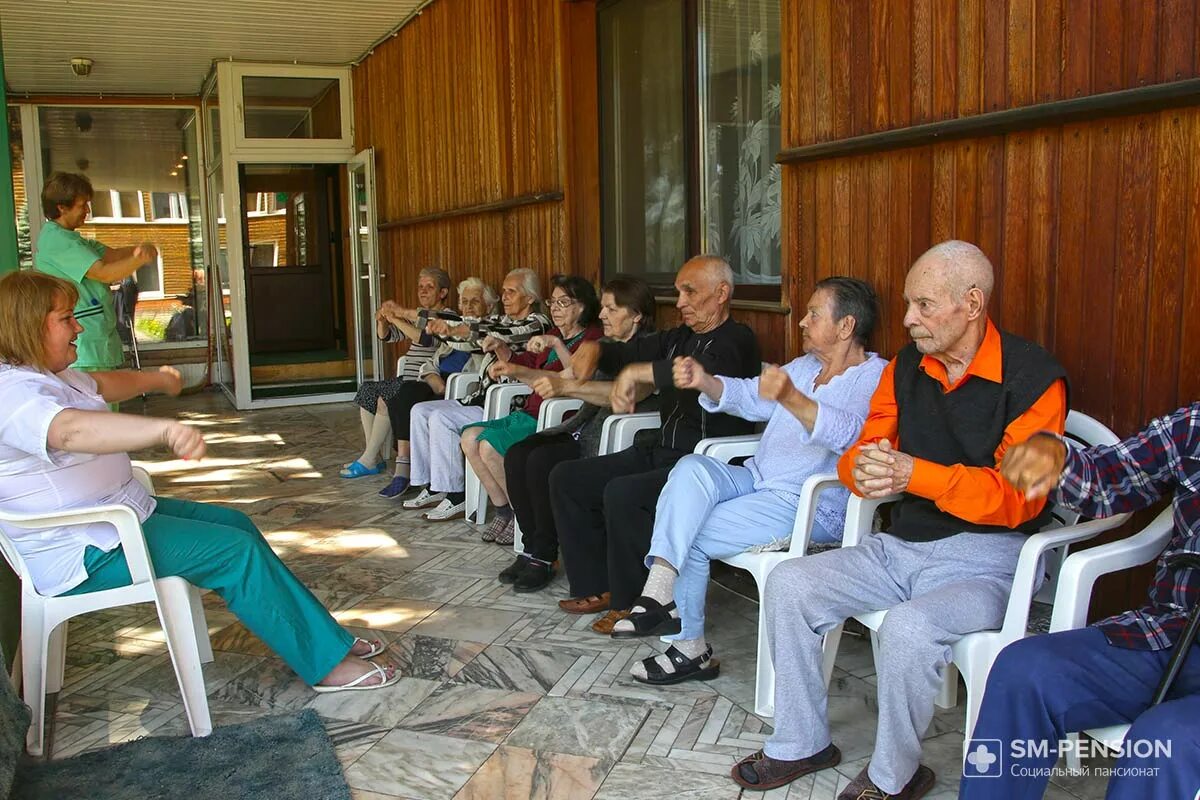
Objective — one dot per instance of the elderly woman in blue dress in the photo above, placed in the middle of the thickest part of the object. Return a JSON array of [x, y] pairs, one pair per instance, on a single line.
[[61, 448]]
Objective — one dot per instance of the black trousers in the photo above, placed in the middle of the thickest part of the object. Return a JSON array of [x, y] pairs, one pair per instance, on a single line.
[[400, 405], [527, 466], [604, 511]]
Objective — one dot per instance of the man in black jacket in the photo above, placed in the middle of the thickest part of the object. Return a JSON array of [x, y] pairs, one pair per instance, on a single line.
[[604, 506]]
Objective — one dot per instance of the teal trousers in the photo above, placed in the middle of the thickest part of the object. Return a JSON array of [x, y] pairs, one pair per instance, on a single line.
[[221, 549]]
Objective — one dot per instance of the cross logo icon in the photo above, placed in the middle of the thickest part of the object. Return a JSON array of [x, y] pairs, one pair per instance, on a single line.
[[983, 759]]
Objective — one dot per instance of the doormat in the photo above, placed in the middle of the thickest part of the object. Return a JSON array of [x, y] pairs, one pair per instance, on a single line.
[[282, 757]]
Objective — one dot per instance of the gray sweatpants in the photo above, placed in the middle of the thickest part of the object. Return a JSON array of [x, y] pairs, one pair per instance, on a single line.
[[936, 592]]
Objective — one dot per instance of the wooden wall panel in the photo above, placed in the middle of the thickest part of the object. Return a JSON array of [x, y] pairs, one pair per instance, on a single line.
[[864, 66], [485, 103]]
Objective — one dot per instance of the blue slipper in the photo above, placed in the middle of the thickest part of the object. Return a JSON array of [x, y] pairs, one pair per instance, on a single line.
[[355, 469], [397, 487]]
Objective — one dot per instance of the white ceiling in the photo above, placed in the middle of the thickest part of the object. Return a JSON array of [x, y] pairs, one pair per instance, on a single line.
[[167, 47]]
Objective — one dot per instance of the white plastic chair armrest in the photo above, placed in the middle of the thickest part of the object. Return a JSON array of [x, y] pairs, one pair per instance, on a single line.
[[459, 384], [499, 399], [143, 477], [727, 448], [554, 410], [1081, 570], [860, 515], [619, 429], [1016, 616], [806, 509], [129, 530]]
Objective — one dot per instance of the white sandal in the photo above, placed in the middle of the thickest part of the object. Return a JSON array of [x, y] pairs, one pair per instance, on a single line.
[[356, 685], [377, 647]]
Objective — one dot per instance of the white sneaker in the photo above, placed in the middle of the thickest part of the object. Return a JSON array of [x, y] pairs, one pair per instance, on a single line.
[[447, 510], [425, 499]]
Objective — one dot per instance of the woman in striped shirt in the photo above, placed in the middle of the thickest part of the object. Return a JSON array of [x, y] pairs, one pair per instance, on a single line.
[[433, 290]]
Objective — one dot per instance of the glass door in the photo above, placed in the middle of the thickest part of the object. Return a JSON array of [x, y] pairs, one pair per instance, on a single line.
[[364, 255]]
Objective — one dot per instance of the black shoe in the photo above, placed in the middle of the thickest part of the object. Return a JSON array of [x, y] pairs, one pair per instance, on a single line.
[[534, 576], [510, 573]]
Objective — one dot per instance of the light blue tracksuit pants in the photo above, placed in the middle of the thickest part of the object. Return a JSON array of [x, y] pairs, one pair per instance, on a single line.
[[221, 549], [710, 510]]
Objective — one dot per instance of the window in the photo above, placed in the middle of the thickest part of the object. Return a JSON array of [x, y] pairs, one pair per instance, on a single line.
[[264, 254], [688, 157], [150, 280], [644, 183], [168, 207], [261, 204], [110, 205]]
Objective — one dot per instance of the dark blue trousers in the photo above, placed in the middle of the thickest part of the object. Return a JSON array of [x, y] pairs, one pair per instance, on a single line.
[[1045, 687]]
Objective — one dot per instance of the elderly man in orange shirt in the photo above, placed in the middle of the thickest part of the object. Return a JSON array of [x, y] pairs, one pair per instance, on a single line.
[[946, 410]]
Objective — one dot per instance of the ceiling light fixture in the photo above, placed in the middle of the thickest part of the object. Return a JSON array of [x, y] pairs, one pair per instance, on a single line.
[[82, 67]]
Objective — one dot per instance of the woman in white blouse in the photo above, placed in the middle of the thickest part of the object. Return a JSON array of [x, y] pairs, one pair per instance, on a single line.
[[60, 447]]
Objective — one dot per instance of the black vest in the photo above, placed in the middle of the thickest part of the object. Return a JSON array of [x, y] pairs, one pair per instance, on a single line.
[[964, 426]]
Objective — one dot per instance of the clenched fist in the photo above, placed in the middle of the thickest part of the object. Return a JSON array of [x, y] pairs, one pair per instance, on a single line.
[[1035, 466], [541, 343], [775, 384], [184, 441], [687, 373], [172, 381]]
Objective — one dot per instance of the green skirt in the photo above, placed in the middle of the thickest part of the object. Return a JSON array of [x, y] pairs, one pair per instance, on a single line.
[[503, 433]]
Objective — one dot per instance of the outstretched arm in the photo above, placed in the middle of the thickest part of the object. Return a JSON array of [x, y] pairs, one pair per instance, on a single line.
[[99, 432], [123, 384]]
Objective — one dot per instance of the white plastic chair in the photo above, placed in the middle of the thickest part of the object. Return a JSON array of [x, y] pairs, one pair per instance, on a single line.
[[973, 654], [496, 404], [759, 565], [44, 618], [460, 384], [552, 412], [619, 429], [1075, 581]]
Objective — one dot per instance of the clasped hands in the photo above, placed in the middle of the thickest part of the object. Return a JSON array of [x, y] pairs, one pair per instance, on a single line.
[[881, 470]]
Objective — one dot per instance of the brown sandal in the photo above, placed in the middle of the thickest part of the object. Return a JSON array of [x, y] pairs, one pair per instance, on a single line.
[[770, 773], [585, 605]]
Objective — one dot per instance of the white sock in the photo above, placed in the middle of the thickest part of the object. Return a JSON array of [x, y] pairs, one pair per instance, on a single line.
[[402, 463], [689, 647], [660, 586]]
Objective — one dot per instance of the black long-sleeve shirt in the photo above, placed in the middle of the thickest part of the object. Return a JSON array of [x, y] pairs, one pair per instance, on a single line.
[[728, 349]]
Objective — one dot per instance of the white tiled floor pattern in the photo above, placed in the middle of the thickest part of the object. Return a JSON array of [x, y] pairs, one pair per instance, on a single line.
[[504, 696]]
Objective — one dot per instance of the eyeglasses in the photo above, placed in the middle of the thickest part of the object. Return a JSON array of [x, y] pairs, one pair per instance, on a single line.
[[563, 303]]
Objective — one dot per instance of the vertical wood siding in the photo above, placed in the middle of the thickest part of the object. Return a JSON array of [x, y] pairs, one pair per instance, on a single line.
[[482, 102]]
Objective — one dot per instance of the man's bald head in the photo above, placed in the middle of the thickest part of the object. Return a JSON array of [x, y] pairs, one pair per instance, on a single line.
[[705, 285], [946, 293], [961, 265]]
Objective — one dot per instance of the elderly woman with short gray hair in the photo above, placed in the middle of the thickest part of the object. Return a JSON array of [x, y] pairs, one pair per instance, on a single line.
[[393, 324], [437, 458]]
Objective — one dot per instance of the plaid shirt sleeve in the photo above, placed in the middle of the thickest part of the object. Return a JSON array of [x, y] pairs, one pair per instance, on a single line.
[[1132, 475]]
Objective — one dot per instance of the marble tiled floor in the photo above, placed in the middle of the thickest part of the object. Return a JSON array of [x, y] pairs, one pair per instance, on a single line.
[[504, 696]]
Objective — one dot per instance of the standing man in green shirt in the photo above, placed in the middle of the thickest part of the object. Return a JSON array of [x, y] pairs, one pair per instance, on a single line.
[[88, 264]]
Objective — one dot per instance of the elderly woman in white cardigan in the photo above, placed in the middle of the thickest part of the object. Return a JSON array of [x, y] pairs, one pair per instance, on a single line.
[[814, 408]]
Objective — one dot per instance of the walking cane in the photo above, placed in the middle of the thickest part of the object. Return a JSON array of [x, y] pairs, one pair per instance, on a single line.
[[1188, 638]]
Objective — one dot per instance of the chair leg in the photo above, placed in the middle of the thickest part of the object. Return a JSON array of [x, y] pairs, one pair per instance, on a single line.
[[56, 658], [178, 623], [203, 642], [518, 538], [948, 694], [764, 680], [833, 638], [34, 651]]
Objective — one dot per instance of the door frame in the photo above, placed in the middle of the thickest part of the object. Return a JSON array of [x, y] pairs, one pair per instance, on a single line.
[[364, 162]]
